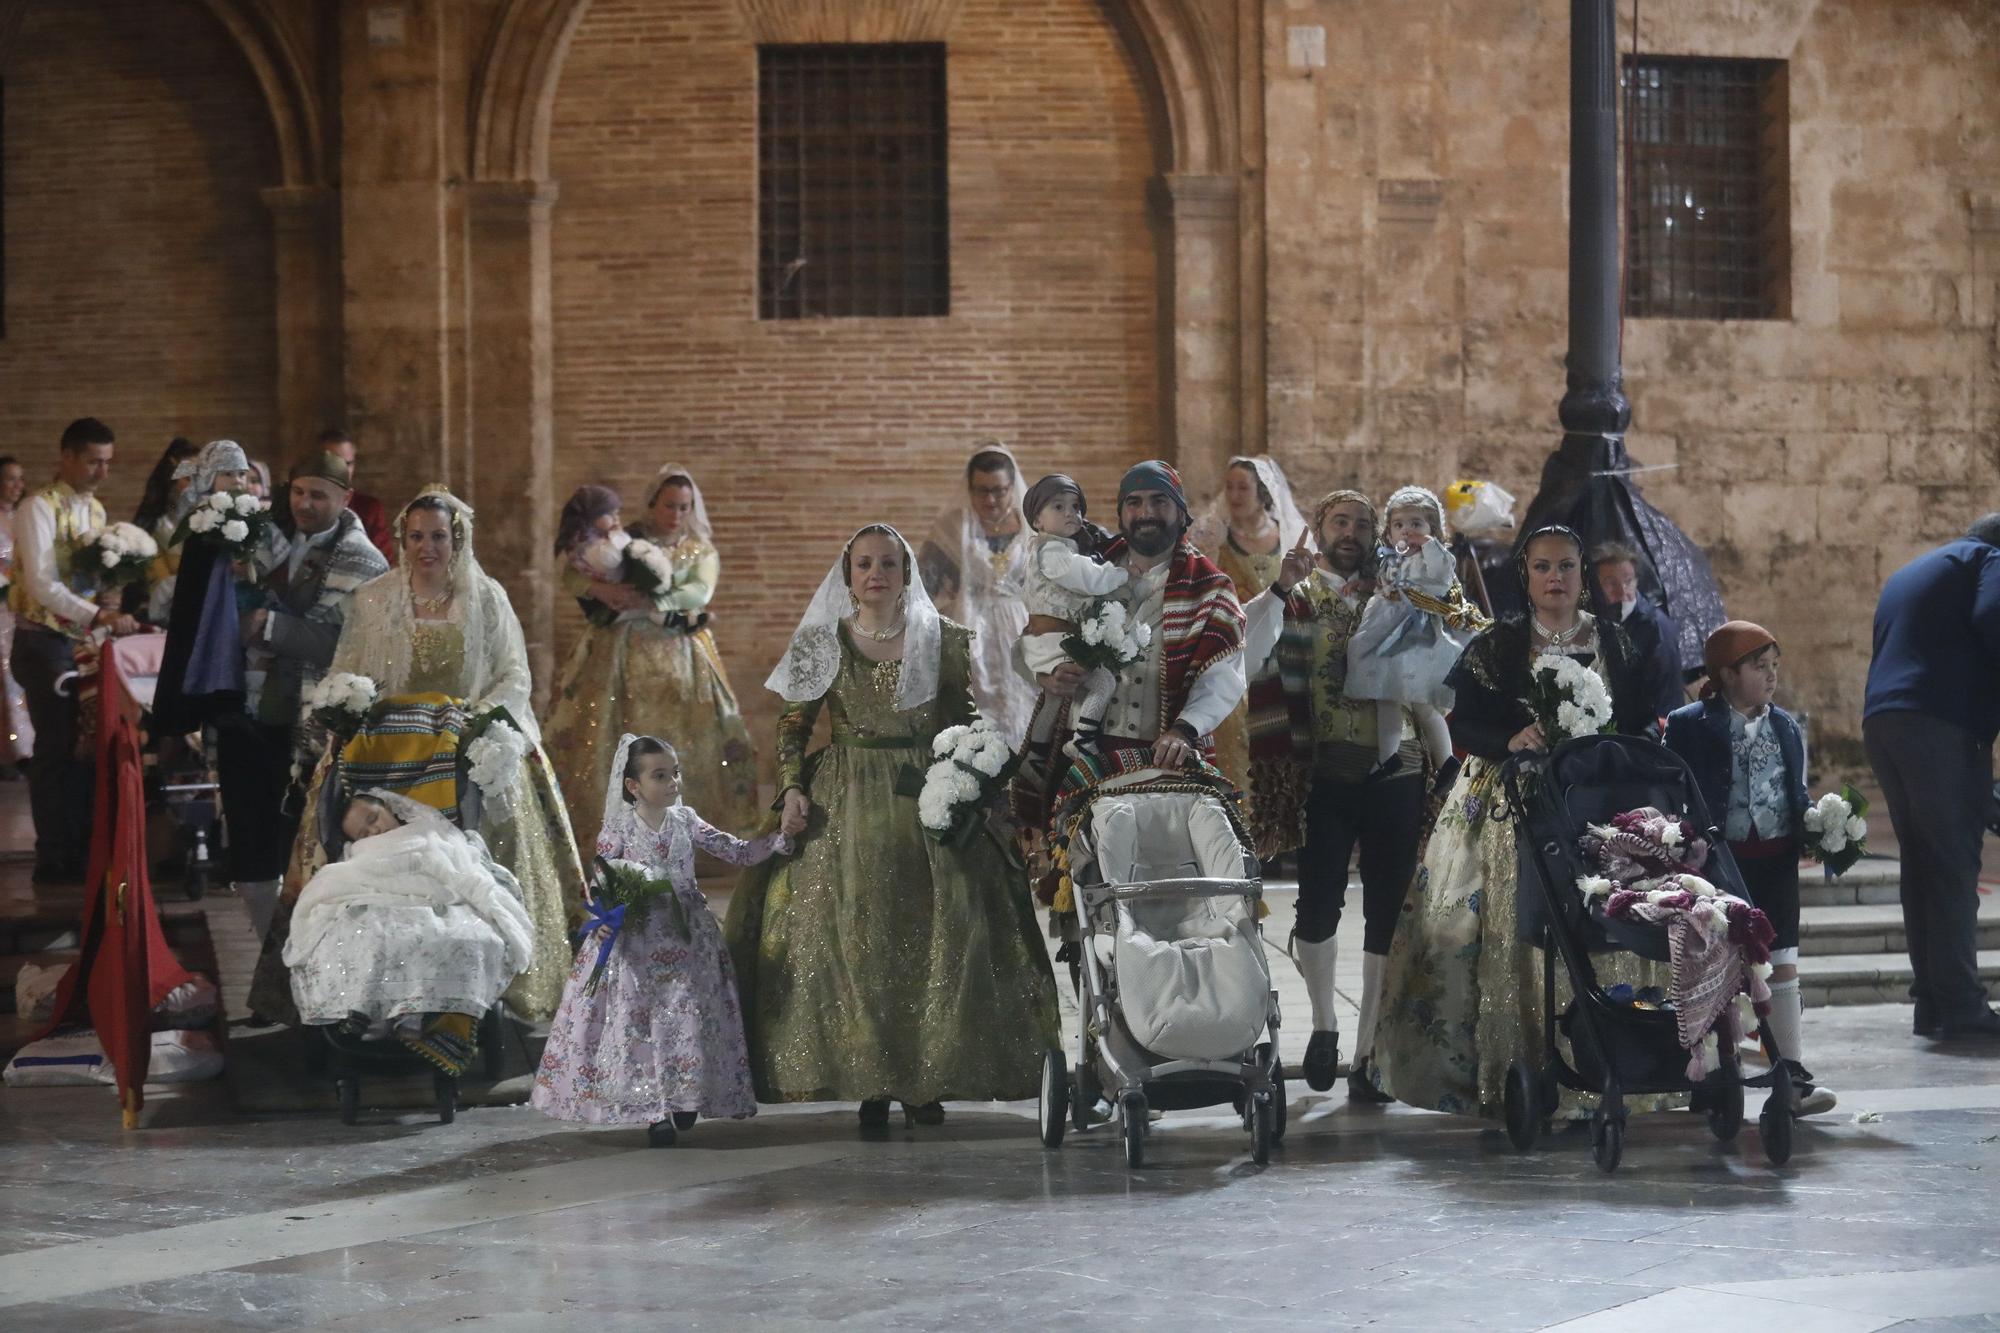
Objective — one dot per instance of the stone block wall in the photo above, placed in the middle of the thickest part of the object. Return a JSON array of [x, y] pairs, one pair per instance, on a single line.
[[1417, 257], [138, 249], [801, 431]]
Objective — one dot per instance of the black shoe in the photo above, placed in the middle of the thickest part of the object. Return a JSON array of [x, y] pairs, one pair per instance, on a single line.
[[875, 1118], [1924, 1018], [660, 1134], [1984, 1026], [1388, 768], [930, 1113], [1808, 1096], [1446, 775], [1322, 1061], [684, 1120], [1361, 1085]]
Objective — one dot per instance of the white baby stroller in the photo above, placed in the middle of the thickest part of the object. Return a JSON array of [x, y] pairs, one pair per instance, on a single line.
[[1176, 1007]]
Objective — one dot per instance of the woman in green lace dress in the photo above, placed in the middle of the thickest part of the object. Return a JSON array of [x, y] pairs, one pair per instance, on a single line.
[[875, 963]]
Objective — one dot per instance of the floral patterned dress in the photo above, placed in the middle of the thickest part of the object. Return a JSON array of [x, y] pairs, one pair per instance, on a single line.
[[663, 1031]]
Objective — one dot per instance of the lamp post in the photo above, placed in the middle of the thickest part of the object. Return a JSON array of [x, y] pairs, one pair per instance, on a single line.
[[1594, 410]]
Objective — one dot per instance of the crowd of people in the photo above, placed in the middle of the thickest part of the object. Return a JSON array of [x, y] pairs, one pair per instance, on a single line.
[[406, 833]]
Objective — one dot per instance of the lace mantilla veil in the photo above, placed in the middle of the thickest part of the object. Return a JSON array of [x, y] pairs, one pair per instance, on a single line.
[[959, 534], [621, 817], [697, 521], [215, 456], [812, 660], [1212, 528], [377, 639]]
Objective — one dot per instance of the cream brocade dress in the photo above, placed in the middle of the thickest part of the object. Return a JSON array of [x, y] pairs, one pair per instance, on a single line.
[[1251, 573], [636, 675], [1461, 992]]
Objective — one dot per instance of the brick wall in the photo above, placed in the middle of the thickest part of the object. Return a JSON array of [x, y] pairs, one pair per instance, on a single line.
[[802, 431], [138, 269], [1419, 341]]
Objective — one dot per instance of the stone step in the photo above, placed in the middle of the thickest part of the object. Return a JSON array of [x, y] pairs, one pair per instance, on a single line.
[[1872, 881], [1870, 978], [1827, 931]]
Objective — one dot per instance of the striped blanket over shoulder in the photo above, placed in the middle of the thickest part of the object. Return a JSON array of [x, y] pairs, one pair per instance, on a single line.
[[409, 746]]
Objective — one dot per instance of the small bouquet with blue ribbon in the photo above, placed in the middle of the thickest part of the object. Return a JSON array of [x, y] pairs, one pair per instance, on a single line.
[[627, 895]]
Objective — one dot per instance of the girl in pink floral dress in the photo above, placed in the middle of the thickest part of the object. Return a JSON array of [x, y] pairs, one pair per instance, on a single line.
[[660, 1038]]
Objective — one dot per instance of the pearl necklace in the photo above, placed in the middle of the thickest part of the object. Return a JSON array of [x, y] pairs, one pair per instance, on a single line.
[[1559, 638], [433, 605], [881, 635]]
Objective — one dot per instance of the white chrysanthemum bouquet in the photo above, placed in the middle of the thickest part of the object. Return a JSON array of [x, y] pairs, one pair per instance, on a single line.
[[619, 557], [1837, 830], [339, 701], [1568, 698], [116, 555], [971, 763], [238, 523], [1108, 638], [495, 754]]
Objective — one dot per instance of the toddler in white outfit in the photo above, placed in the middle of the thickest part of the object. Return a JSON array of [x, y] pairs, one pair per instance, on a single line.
[[1063, 581]]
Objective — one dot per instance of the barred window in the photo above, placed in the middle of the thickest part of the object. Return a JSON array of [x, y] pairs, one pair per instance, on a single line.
[[851, 199], [1708, 198]]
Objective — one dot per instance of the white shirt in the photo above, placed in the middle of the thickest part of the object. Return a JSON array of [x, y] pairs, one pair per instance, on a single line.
[[1134, 710], [35, 556]]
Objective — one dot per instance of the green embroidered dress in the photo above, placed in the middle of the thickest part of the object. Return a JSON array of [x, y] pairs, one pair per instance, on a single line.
[[875, 962]]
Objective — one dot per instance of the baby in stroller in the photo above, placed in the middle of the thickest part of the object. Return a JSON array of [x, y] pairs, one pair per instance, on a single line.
[[414, 933], [1176, 1007]]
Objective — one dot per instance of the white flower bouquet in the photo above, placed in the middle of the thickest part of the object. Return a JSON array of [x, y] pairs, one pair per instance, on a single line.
[[970, 764], [116, 555], [340, 701], [238, 523], [1108, 638], [494, 753], [1568, 698], [1837, 830]]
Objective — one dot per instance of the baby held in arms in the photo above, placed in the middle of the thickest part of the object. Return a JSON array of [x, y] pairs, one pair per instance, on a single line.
[[1064, 579]]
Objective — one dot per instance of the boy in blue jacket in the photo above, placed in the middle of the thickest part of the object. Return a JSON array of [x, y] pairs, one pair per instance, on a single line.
[[1750, 760]]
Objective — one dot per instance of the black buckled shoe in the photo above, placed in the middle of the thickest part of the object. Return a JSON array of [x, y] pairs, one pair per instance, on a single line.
[[1983, 1026], [1361, 1085], [1924, 1018], [1322, 1062]]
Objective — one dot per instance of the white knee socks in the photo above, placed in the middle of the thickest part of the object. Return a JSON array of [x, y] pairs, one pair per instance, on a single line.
[[1782, 1023], [1371, 1001], [1316, 961], [1435, 731]]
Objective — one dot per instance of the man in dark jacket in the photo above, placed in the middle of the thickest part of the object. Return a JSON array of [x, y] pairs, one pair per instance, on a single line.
[[1656, 639], [1932, 711]]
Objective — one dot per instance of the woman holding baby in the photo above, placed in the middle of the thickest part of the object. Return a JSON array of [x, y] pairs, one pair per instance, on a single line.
[[646, 662]]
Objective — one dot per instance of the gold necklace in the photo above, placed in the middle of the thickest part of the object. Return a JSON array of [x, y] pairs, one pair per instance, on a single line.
[[433, 605]]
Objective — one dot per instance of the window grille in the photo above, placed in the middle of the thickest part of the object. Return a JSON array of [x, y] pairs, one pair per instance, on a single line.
[[1708, 195], [853, 217]]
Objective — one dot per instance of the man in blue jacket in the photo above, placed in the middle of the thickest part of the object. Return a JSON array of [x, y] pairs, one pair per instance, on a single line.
[[1653, 632], [1933, 709]]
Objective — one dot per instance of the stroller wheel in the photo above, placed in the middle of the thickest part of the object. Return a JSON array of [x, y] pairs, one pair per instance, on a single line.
[[1132, 1114], [1084, 1093], [1053, 1110], [1263, 1126], [492, 1047], [349, 1092], [1607, 1142], [1521, 1100], [1279, 1113], [1774, 1127], [445, 1087]]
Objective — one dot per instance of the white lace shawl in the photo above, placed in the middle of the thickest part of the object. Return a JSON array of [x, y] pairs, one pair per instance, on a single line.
[[622, 822], [215, 456], [377, 635], [812, 659], [959, 534], [1211, 529], [697, 521]]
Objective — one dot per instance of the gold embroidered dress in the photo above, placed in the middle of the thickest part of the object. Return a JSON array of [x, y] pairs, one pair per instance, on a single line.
[[1251, 572], [652, 679], [876, 962], [1461, 993]]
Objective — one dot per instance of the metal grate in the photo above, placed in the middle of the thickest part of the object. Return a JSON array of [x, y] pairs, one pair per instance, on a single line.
[[1708, 196], [853, 216]]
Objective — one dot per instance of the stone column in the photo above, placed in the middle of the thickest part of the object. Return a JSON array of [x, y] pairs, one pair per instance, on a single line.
[[510, 386], [1198, 223], [305, 229], [394, 161]]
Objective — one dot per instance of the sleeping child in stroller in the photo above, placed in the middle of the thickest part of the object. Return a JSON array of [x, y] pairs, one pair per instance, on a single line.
[[414, 933]]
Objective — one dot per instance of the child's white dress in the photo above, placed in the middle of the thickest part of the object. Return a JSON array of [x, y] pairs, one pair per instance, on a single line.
[[1398, 652], [1062, 584]]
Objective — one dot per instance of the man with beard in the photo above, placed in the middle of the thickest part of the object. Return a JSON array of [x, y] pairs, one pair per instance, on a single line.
[[1311, 750], [1165, 705]]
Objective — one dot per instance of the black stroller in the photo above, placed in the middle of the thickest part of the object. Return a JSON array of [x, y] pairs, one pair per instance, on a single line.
[[1618, 1048]]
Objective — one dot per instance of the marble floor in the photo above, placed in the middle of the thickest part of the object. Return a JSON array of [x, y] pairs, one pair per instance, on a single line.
[[1888, 1216]]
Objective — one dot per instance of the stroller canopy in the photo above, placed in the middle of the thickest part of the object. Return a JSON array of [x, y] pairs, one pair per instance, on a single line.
[[1163, 835]]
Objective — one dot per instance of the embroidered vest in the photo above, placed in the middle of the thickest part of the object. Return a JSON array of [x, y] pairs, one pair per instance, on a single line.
[[69, 531]]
